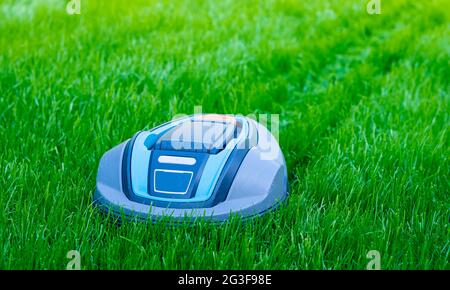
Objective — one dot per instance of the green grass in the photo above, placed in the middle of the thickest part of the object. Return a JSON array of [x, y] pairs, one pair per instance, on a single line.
[[364, 113]]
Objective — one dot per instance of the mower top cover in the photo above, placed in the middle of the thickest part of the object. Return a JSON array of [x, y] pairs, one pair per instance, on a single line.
[[207, 166]]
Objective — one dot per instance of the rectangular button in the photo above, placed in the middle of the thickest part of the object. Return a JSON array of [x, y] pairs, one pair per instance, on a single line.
[[176, 160]]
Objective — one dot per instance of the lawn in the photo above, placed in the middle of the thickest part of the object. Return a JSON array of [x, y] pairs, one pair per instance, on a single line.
[[364, 110]]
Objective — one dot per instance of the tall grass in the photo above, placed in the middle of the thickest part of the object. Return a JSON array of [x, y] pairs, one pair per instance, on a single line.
[[364, 110]]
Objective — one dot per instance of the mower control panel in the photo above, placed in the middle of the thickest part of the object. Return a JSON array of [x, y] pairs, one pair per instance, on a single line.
[[186, 160]]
